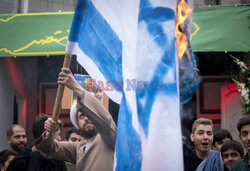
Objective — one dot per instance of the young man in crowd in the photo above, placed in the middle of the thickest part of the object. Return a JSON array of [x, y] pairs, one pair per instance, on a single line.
[[73, 135], [243, 127], [231, 151], [220, 137], [96, 125], [16, 138], [202, 157], [5, 158]]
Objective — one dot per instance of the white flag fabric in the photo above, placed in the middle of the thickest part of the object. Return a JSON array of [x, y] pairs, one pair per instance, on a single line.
[[128, 47]]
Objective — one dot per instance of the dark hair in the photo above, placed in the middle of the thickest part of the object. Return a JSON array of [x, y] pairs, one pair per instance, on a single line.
[[70, 131], [4, 155], [234, 145], [9, 131], [38, 125], [245, 120], [220, 135]]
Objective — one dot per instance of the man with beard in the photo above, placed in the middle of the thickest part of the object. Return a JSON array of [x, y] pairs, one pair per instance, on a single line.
[[96, 151], [16, 138], [30, 159], [202, 158]]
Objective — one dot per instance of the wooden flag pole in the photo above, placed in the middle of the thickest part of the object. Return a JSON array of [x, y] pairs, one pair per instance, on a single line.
[[60, 89]]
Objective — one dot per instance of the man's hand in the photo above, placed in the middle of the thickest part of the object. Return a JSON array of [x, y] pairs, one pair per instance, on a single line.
[[66, 78], [50, 125]]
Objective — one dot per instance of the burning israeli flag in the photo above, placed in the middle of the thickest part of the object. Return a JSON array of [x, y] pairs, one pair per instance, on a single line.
[[131, 45]]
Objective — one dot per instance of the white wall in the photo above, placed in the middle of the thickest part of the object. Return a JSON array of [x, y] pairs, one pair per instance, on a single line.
[[6, 103]]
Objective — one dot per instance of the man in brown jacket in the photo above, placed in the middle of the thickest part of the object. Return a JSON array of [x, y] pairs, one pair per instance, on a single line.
[[96, 125]]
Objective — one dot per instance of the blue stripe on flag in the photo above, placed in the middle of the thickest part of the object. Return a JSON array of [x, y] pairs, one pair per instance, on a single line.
[[128, 144], [153, 17], [97, 40], [100, 43]]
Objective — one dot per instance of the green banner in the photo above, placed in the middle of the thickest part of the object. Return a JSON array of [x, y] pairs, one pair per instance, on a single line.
[[33, 34], [225, 28]]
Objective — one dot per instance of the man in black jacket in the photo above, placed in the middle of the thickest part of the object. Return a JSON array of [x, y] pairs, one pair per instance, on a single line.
[[30, 159]]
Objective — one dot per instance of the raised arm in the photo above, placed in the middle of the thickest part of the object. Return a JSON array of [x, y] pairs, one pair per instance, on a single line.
[[66, 78], [91, 107]]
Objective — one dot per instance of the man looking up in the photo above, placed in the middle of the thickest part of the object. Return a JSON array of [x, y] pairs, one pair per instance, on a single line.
[[243, 127], [96, 125], [16, 138]]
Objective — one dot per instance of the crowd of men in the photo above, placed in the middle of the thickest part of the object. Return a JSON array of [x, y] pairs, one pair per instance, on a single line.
[[90, 144], [215, 152]]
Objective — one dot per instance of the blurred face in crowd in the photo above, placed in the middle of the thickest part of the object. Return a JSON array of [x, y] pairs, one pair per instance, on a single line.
[[218, 144], [244, 137], [86, 127], [7, 162], [18, 139], [74, 137], [202, 138], [230, 157]]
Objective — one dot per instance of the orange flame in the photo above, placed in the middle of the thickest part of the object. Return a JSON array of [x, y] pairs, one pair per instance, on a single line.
[[181, 39]]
